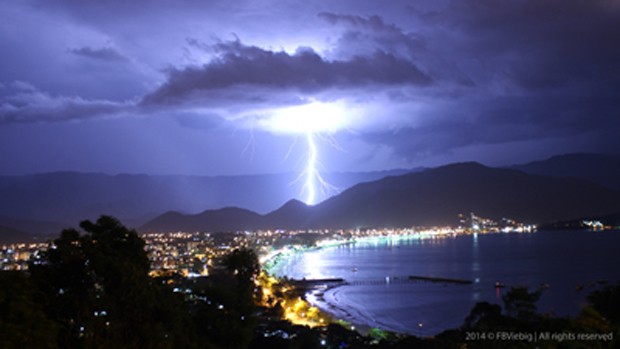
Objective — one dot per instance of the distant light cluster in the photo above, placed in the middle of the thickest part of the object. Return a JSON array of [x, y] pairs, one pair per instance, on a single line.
[[195, 254]]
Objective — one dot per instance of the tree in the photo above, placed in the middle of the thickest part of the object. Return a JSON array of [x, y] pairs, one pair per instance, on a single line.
[[228, 318], [243, 263], [23, 323], [607, 302], [484, 316], [100, 294], [521, 304]]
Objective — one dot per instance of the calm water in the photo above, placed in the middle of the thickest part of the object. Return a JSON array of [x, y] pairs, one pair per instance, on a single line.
[[561, 259]]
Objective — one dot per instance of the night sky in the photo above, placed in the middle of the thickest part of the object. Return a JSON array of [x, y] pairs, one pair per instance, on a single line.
[[234, 87]]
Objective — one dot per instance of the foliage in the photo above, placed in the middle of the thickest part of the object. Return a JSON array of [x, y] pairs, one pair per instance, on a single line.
[[521, 304], [520, 316], [484, 316], [23, 323], [607, 302], [228, 317], [243, 263], [99, 293]]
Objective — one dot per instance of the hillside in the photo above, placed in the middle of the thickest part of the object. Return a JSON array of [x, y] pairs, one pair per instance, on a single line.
[[601, 169], [71, 196], [9, 235], [431, 197]]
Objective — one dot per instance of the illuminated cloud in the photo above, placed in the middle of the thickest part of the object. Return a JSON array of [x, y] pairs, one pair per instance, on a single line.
[[306, 72], [407, 83]]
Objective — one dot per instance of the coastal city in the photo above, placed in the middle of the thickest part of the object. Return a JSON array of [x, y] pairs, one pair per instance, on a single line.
[[190, 261], [194, 254], [180, 257]]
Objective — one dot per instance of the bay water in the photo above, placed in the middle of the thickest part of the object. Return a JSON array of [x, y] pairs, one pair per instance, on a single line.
[[566, 265]]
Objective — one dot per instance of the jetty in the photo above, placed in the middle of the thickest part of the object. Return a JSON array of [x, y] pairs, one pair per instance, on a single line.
[[304, 285], [308, 284], [409, 279], [440, 280]]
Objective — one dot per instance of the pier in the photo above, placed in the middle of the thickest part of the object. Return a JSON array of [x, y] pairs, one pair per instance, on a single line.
[[441, 280], [409, 279], [308, 284]]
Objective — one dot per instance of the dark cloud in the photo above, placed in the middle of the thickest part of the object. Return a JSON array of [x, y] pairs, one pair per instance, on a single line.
[[419, 79], [525, 72], [372, 33], [581, 123], [238, 65], [104, 54], [536, 44], [26, 104]]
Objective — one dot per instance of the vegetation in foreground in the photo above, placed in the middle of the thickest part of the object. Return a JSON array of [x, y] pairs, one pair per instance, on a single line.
[[92, 290]]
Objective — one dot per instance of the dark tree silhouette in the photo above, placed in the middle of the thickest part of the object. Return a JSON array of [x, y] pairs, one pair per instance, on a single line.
[[484, 316], [23, 323], [607, 302], [100, 294], [243, 263], [521, 304], [228, 319]]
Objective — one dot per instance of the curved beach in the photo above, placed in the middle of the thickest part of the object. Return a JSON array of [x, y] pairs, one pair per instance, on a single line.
[[528, 260], [332, 301]]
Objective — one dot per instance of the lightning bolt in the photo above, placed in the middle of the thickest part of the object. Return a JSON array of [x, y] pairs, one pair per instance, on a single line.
[[314, 183], [312, 173]]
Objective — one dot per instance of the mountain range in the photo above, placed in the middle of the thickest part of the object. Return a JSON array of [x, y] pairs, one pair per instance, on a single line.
[[69, 197], [603, 169], [562, 187], [428, 198]]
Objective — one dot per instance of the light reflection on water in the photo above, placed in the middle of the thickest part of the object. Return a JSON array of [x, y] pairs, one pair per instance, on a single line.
[[561, 259]]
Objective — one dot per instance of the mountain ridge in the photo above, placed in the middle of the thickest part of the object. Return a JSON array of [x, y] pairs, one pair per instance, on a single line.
[[435, 197], [43, 206], [603, 169], [70, 196]]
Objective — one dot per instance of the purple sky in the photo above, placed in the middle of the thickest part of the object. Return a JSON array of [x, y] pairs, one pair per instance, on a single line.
[[206, 87]]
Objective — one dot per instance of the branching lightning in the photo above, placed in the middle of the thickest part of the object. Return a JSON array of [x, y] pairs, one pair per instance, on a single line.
[[317, 121], [314, 183], [311, 171]]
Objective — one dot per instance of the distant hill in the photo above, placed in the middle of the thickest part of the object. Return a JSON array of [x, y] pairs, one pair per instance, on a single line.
[[72, 197], [35, 227], [608, 220], [224, 219], [431, 197], [24, 230], [597, 168], [9, 235]]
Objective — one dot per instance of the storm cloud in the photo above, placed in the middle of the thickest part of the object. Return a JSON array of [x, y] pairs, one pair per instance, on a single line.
[[305, 71], [24, 103], [425, 82]]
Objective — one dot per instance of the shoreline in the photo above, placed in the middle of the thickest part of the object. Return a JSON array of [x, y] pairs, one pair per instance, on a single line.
[[276, 258], [327, 301], [332, 299], [439, 308]]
